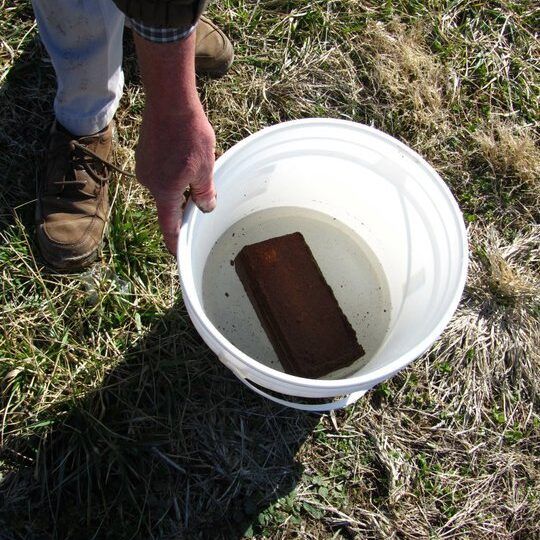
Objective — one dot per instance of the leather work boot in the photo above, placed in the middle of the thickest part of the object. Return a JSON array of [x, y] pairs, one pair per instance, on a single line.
[[213, 51], [72, 201]]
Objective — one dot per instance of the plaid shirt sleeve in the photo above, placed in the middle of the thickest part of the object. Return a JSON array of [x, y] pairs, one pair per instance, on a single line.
[[159, 34]]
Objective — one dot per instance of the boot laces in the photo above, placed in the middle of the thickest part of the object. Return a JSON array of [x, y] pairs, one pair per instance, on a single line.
[[82, 158]]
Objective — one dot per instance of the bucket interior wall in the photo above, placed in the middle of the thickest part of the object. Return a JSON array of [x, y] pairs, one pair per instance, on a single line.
[[382, 195]]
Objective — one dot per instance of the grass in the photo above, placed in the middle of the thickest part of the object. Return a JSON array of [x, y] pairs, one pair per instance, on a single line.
[[118, 422]]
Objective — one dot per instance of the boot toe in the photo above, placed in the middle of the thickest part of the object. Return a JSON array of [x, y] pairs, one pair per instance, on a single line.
[[214, 52], [70, 244]]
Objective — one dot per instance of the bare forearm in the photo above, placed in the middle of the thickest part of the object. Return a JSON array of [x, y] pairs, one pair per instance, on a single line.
[[168, 75]]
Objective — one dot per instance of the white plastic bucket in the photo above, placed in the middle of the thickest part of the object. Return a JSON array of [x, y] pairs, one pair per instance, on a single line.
[[378, 190]]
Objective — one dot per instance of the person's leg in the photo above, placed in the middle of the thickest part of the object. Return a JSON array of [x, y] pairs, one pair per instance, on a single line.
[[84, 40]]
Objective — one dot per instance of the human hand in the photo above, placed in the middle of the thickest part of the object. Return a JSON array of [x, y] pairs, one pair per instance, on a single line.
[[176, 150], [176, 143]]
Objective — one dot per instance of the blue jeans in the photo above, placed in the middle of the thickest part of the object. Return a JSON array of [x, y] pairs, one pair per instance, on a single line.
[[84, 41]]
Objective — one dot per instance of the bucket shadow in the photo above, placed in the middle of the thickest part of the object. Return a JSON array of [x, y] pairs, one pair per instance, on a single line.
[[171, 445]]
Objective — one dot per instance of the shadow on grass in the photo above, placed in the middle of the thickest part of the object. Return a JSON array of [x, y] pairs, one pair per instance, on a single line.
[[26, 97], [170, 445]]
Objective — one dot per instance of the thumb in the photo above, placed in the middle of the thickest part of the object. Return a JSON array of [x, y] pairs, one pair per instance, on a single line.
[[170, 211], [203, 192]]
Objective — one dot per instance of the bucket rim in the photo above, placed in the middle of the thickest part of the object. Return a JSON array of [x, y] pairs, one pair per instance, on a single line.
[[245, 362]]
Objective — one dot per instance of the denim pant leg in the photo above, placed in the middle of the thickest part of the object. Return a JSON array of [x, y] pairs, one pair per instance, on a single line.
[[84, 40]]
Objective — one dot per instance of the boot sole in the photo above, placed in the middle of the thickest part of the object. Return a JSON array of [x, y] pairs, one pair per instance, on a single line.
[[216, 73], [81, 264]]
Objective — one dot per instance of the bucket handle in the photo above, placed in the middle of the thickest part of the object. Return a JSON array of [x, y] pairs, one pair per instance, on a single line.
[[319, 407]]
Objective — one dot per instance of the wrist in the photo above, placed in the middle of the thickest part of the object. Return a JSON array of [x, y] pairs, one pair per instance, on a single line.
[[183, 123], [180, 106]]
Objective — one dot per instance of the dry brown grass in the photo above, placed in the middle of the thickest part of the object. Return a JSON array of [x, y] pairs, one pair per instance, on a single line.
[[497, 328], [508, 271], [407, 73], [513, 153]]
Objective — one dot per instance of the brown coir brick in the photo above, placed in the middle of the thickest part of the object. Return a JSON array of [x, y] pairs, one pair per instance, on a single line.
[[296, 307]]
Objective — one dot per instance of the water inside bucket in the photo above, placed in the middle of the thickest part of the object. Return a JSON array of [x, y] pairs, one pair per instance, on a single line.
[[348, 264]]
